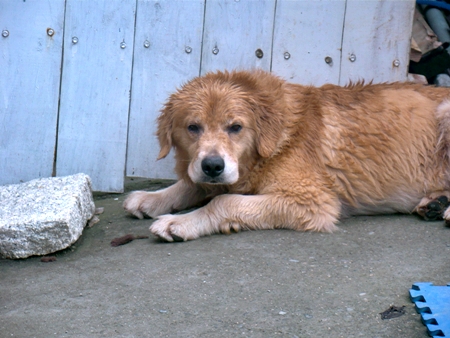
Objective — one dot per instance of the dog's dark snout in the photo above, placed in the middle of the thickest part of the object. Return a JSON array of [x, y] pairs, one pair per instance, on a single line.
[[213, 166]]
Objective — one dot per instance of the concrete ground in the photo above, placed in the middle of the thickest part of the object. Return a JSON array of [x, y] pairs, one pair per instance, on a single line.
[[251, 284]]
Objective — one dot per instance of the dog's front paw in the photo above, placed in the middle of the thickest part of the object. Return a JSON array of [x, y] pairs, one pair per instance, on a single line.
[[174, 228], [152, 204]]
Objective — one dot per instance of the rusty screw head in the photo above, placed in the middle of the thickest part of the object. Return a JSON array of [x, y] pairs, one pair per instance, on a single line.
[[5, 33], [50, 32]]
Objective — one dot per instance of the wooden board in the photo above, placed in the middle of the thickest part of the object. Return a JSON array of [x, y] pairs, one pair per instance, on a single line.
[[378, 34], [30, 63], [167, 54], [234, 31], [102, 106], [306, 34], [95, 91]]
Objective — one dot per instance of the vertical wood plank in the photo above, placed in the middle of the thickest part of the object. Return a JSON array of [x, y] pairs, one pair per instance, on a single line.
[[95, 91], [167, 53], [234, 31], [307, 41], [377, 33], [30, 65]]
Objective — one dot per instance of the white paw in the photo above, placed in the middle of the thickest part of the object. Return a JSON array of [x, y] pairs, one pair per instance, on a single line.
[[447, 217], [176, 228], [152, 204]]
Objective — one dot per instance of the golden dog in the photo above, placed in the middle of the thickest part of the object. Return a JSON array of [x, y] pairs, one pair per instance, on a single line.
[[261, 153]]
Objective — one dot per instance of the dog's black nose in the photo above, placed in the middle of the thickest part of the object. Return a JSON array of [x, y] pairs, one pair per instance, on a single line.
[[213, 166]]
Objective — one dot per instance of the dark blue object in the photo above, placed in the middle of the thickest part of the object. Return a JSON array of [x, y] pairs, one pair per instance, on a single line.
[[434, 3], [433, 304]]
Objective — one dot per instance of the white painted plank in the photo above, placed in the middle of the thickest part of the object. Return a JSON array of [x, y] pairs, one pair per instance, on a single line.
[[234, 30], [305, 34], [173, 30], [30, 64], [377, 32], [95, 91]]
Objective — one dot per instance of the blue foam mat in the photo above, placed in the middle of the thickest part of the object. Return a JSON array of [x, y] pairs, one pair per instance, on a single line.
[[433, 304]]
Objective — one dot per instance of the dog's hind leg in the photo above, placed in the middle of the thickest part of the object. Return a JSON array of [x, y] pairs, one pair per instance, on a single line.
[[435, 206], [443, 126]]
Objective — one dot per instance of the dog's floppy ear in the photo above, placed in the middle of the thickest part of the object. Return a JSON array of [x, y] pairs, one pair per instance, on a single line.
[[265, 93], [269, 128], [164, 133]]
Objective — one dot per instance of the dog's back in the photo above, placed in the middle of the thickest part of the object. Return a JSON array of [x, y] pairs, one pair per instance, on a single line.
[[385, 146]]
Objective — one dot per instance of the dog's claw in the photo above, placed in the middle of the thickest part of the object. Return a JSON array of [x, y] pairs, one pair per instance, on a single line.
[[138, 214], [176, 238], [163, 236]]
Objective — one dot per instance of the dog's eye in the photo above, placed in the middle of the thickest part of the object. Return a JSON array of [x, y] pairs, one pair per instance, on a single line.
[[194, 128], [235, 128]]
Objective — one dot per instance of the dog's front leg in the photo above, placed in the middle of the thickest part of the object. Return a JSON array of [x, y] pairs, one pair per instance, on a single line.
[[179, 196], [227, 213]]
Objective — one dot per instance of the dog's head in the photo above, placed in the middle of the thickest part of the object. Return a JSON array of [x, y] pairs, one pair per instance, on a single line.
[[221, 124]]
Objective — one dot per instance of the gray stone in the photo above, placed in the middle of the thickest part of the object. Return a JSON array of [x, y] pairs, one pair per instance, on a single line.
[[44, 215]]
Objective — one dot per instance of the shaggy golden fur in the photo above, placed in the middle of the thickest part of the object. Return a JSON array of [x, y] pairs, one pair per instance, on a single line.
[[270, 154]]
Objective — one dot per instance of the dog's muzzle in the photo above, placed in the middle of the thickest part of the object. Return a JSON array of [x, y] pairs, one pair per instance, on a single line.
[[213, 166]]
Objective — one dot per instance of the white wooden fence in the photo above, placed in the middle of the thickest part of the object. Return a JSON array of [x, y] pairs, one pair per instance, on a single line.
[[82, 81]]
